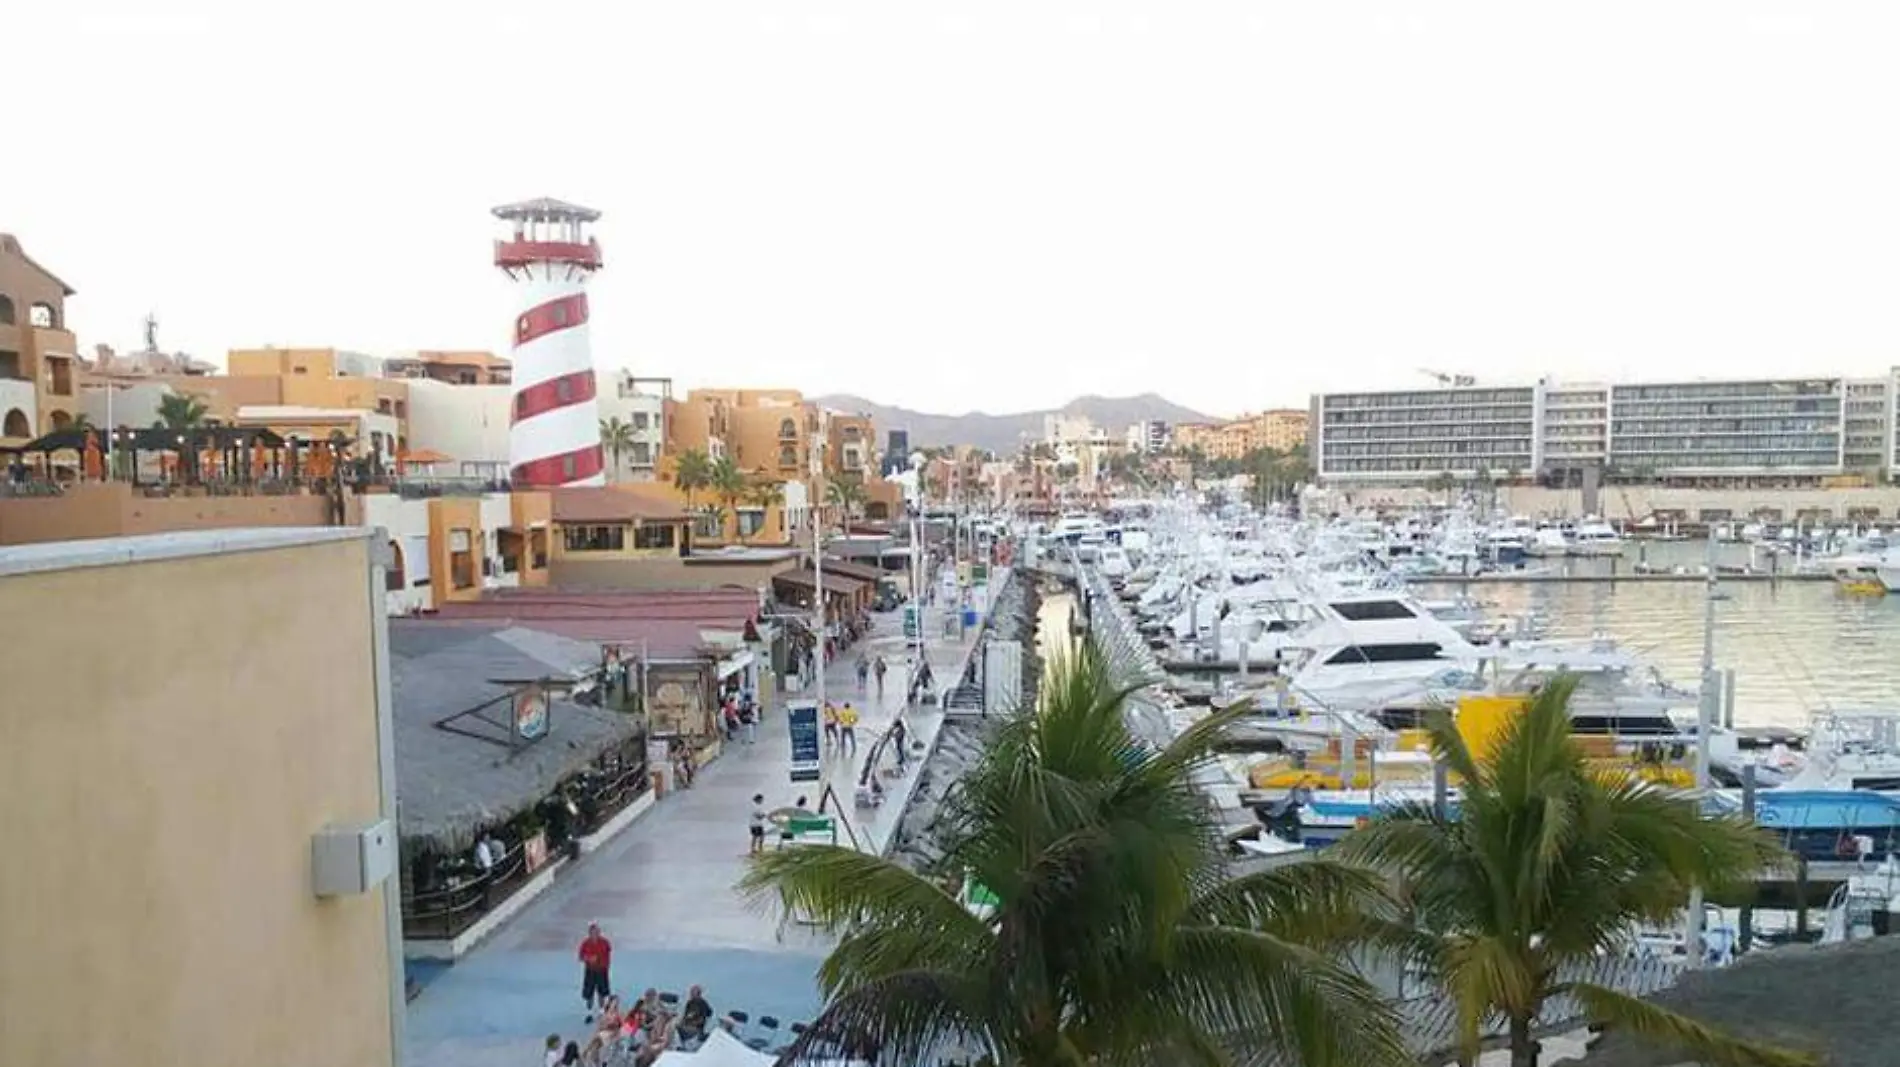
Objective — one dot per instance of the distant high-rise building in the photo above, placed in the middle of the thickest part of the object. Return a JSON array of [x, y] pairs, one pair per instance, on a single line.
[[897, 452], [1791, 431]]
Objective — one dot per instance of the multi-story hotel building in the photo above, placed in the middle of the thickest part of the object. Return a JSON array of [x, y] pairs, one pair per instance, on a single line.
[[1781, 431], [1415, 435]]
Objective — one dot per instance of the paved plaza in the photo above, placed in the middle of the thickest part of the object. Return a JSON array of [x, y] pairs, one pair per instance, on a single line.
[[663, 892]]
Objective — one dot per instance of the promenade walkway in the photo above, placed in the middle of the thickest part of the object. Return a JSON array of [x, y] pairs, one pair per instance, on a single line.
[[663, 893]]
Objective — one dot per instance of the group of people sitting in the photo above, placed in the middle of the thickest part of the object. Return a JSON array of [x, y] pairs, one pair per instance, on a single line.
[[638, 1033]]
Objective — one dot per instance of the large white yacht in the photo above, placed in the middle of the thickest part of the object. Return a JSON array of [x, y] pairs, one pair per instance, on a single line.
[[1594, 537]]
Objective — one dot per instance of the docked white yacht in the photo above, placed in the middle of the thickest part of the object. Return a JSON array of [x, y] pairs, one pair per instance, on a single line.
[[1594, 537], [1548, 541], [1880, 564]]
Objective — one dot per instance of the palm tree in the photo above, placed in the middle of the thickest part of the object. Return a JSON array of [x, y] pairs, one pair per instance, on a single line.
[[846, 495], [184, 413], [766, 495], [692, 473], [181, 411], [727, 482], [616, 436], [714, 518], [1109, 930], [1547, 862]]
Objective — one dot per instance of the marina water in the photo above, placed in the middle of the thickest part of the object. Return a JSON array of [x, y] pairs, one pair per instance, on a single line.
[[1797, 647]]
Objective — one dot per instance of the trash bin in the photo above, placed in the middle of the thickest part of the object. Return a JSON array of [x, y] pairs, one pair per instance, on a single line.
[[969, 617]]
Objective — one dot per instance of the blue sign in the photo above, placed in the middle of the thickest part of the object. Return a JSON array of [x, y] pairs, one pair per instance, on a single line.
[[801, 717]]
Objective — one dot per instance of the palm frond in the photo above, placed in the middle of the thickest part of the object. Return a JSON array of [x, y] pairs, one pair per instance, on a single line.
[[835, 887], [1316, 903], [1486, 975], [1660, 1025], [900, 1019], [1250, 987]]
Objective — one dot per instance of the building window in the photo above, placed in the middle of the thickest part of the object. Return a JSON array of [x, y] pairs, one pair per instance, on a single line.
[[788, 429], [594, 538], [6, 310], [43, 315], [709, 524], [641, 454], [563, 390], [639, 420], [654, 536], [567, 466], [751, 521], [788, 457]]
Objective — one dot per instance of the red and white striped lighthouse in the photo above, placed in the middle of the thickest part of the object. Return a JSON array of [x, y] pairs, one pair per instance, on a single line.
[[554, 431]]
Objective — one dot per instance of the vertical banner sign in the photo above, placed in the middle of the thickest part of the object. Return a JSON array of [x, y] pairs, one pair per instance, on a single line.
[[801, 717]]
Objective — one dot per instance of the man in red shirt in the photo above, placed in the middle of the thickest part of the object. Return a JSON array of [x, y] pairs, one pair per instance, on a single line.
[[597, 955]]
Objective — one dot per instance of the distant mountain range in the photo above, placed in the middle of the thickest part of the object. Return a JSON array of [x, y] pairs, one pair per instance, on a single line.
[[1004, 433]]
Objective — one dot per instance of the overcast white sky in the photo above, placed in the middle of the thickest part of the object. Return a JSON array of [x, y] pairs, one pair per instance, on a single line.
[[992, 205]]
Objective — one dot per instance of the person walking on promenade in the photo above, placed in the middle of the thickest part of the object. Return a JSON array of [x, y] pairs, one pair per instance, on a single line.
[[848, 727], [864, 674], [831, 725], [759, 817], [596, 955], [880, 667]]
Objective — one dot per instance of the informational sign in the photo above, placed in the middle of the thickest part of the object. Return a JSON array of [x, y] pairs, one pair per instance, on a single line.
[[801, 717], [531, 713], [911, 620]]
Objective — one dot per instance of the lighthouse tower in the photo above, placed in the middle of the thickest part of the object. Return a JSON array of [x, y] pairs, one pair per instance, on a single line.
[[554, 431]]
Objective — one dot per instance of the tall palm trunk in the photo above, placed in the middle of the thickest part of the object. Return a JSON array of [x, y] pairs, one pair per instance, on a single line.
[[1523, 1049]]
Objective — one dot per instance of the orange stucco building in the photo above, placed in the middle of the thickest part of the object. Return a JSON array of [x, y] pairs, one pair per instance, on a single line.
[[39, 386]]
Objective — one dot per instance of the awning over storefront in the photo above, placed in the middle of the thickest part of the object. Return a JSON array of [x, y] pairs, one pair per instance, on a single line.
[[735, 663]]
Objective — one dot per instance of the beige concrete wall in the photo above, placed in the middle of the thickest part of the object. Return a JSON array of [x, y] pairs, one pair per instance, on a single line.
[[175, 732], [1635, 502], [112, 509]]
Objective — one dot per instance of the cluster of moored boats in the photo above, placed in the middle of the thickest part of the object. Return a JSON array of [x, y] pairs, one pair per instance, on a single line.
[[1460, 542], [1341, 661]]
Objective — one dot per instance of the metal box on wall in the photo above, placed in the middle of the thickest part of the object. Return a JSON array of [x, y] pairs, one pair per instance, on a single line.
[[352, 858]]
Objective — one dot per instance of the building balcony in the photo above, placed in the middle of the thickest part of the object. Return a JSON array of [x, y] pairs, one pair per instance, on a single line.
[[513, 254]]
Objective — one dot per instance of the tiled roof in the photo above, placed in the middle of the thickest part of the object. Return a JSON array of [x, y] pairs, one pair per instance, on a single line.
[[600, 504]]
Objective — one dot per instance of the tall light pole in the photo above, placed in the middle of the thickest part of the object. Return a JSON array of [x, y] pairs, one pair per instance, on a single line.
[[1708, 694], [111, 428], [819, 630]]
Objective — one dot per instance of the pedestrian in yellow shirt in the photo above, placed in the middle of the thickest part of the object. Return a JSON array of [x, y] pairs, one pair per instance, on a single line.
[[831, 723], [848, 726]]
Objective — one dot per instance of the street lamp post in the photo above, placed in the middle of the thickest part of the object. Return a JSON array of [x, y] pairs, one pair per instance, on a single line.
[[111, 427], [818, 571]]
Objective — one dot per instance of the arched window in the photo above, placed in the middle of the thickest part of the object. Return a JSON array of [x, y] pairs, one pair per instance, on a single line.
[[43, 315], [17, 425], [788, 429], [6, 310], [61, 420]]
